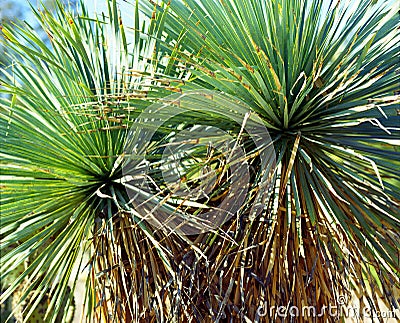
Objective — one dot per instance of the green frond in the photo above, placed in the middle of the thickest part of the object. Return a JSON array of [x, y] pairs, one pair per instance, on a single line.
[[67, 106], [325, 79]]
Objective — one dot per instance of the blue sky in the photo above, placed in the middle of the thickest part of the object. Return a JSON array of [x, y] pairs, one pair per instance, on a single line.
[[92, 5]]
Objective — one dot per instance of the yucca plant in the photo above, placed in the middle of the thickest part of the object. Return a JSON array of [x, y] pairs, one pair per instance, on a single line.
[[320, 76], [324, 78], [64, 115]]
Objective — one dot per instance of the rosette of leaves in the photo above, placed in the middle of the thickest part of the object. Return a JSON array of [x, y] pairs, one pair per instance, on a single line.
[[324, 76], [66, 106]]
